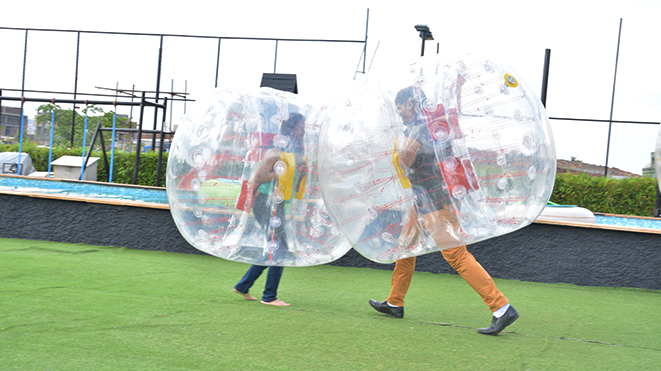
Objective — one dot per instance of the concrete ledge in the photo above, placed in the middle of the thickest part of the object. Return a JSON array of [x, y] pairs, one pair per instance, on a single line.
[[137, 226], [548, 253], [553, 254]]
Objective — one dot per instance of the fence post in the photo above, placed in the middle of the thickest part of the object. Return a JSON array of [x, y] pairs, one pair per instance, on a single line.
[[545, 76], [657, 209], [138, 148], [160, 147]]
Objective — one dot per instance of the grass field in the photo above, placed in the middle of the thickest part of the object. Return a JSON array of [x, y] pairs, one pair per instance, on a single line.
[[81, 307]]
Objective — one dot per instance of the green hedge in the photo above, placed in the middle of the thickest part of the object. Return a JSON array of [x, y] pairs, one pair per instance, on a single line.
[[122, 164], [630, 196]]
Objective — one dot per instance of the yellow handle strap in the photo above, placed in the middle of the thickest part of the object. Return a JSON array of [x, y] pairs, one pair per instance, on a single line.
[[301, 187], [286, 180], [406, 183]]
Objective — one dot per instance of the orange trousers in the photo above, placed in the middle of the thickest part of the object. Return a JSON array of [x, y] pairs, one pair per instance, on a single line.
[[442, 225], [464, 263]]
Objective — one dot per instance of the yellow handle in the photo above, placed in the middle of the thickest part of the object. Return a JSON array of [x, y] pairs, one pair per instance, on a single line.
[[286, 179], [406, 183], [301, 187]]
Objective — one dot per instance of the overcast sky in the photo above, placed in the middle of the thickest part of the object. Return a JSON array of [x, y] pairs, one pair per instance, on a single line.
[[582, 36]]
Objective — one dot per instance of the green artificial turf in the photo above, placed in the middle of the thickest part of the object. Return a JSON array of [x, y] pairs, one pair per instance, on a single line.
[[81, 307]]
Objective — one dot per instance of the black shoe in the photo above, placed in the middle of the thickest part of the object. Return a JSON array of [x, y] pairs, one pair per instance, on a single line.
[[499, 324], [383, 307]]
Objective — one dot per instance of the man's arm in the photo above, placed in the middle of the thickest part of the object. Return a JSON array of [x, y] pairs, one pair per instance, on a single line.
[[265, 172], [409, 151]]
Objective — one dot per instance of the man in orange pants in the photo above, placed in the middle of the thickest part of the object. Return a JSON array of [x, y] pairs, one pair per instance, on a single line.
[[418, 155]]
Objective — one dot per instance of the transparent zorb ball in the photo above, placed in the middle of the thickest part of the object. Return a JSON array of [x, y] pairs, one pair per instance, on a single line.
[[242, 180], [435, 156]]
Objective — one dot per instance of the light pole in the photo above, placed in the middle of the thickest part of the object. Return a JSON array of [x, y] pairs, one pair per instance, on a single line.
[[425, 34]]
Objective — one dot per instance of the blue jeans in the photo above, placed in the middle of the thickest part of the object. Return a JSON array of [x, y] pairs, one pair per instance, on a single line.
[[272, 281], [264, 209]]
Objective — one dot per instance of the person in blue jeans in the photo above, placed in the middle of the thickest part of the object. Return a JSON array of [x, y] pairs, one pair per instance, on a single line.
[[274, 192], [270, 290]]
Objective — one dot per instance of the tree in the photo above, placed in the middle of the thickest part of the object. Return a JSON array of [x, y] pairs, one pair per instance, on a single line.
[[63, 120]]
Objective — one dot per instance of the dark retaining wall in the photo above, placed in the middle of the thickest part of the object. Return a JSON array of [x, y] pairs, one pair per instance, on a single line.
[[537, 253], [140, 228]]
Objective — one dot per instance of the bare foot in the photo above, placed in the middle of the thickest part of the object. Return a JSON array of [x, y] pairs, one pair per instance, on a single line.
[[246, 295], [276, 302]]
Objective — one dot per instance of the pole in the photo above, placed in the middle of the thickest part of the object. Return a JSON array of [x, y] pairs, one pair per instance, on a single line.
[[136, 165], [217, 63], [89, 151], [424, 36], [103, 148], [657, 207], [82, 169], [545, 76], [159, 164], [275, 60], [610, 123], [131, 118], [158, 87], [112, 145], [367, 24], [0, 112], [25, 56], [20, 143], [50, 149], [171, 97], [75, 91]]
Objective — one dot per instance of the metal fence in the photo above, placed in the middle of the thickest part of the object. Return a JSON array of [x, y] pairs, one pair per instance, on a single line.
[[151, 67], [14, 122], [159, 53]]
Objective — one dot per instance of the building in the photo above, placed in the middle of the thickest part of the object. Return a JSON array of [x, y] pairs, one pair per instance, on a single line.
[[10, 122], [649, 169], [578, 167]]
